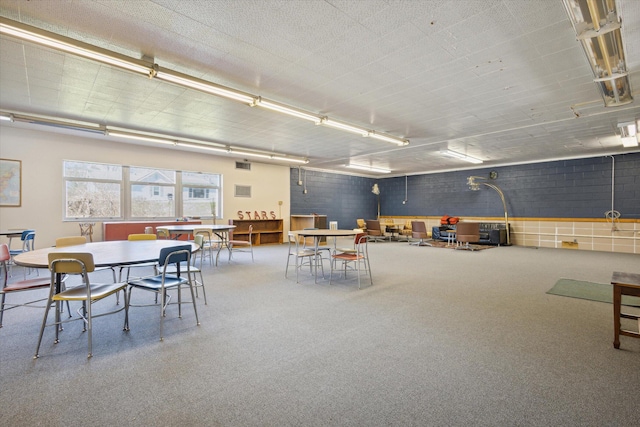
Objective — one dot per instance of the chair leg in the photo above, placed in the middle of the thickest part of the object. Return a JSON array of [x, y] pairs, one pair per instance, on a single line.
[[44, 324]]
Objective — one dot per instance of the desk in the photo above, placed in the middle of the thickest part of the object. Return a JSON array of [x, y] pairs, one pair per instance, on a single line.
[[318, 234], [394, 229], [17, 232], [623, 284], [219, 230]]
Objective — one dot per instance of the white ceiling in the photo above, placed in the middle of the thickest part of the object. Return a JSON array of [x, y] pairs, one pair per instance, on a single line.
[[501, 80]]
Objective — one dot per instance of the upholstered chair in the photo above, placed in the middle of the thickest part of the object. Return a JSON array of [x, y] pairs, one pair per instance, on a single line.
[[419, 231], [466, 233]]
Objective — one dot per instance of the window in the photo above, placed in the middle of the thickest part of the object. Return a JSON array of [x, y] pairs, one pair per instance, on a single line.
[[101, 191], [92, 190], [200, 194], [152, 193]]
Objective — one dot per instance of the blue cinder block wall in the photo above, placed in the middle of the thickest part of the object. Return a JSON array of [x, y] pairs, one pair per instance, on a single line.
[[561, 189]]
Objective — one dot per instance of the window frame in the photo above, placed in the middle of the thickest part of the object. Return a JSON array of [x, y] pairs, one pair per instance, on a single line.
[[125, 188]]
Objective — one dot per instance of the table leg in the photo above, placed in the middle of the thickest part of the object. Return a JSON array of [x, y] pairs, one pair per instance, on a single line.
[[617, 299]]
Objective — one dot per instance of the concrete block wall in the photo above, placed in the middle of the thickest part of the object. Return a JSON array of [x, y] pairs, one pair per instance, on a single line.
[[548, 203]]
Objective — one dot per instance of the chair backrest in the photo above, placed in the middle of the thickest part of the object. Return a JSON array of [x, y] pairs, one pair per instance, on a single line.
[[361, 223], [468, 231], [373, 227], [71, 262], [25, 233], [418, 229], [142, 237], [174, 255], [162, 233], [70, 241], [4, 252], [294, 240], [358, 239], [205, 233], [28, 243]]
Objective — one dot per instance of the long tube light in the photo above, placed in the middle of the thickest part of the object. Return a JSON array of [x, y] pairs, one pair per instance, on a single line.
[[66, 44], [158, 139], [202, 85], [461, 156], [344, 126], [388, 138], [368, 168], [281, 108], [139, 137], [85, 50]]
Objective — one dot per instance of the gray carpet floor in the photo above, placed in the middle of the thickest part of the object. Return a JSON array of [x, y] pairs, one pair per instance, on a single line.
[[441, 338]]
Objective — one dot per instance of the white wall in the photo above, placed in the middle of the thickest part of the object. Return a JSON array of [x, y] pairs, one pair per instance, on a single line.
[[42, 153]]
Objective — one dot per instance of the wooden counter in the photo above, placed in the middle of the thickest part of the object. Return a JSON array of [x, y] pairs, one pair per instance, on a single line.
[[121, 230]]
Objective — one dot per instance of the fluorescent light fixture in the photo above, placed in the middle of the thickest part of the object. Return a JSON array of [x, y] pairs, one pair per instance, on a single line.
[[290, 159], [202, 85], [281, 108], [368, 168], [628, 134], [597, 26], [75, 47], [6, 118], [147, 68], [461, 156], [343, 126], [388, 138], [249, 153], [140, 137], [203, 147]]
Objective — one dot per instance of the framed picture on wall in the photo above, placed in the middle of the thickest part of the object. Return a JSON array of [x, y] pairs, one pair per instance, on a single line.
[[11, 183]]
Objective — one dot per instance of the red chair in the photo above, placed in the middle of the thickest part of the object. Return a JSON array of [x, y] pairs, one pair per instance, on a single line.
[[20, 286], [359, 258]]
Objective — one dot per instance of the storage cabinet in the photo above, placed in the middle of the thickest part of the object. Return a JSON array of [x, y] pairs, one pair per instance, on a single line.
[[121, 230], [265, 231], [300, 222]]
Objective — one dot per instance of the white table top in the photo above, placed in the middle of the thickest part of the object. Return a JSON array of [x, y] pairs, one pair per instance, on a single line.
[[105, 254]]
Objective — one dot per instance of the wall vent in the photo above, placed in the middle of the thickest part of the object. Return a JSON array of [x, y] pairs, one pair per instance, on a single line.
[[243, 165], [243, 191]]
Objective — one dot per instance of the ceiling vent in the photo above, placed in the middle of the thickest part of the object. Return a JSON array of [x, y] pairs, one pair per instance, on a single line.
[[243, 165]]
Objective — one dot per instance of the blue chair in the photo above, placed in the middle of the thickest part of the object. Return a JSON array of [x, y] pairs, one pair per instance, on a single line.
[[178, 257], [28, 238]]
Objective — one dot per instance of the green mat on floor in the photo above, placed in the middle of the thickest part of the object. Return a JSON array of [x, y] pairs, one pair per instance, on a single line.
[[602, 292]]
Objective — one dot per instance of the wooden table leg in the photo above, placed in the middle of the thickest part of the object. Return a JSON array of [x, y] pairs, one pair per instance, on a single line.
[[617, 299]]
